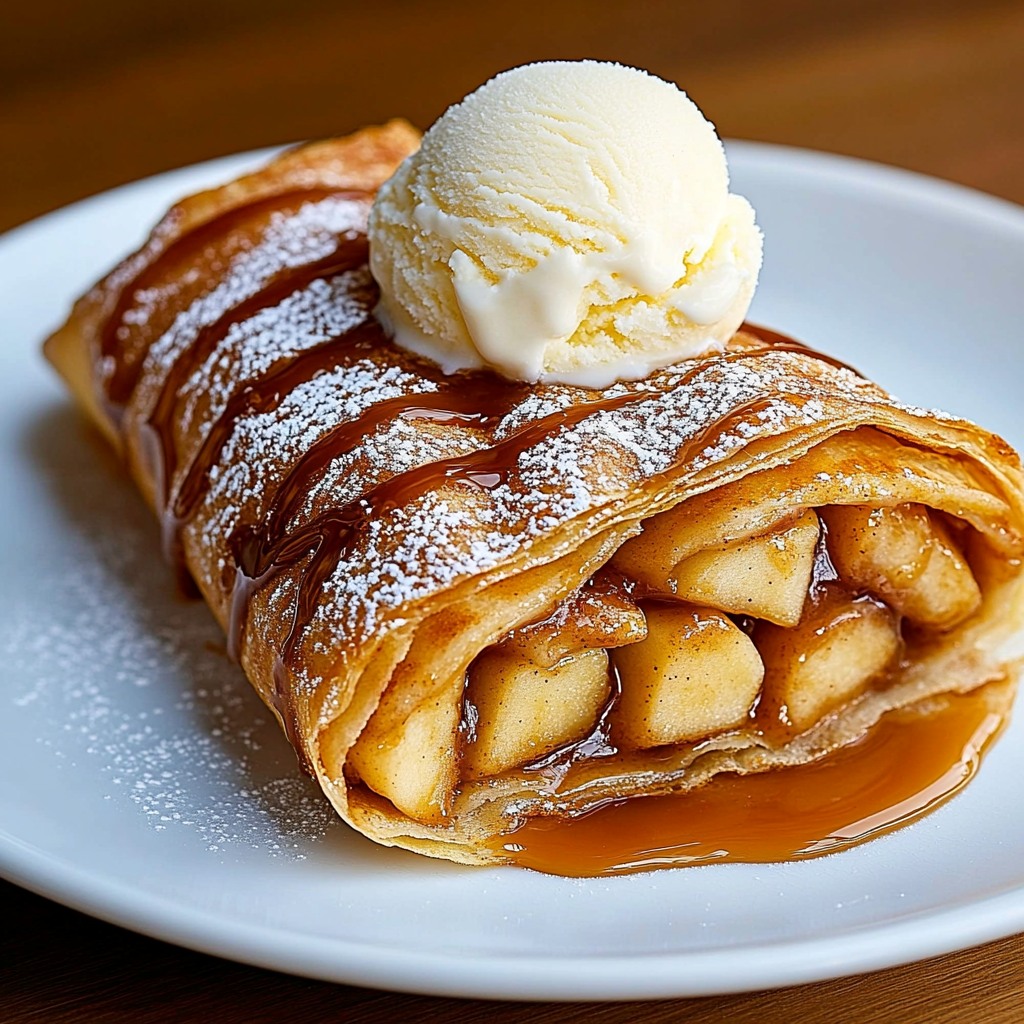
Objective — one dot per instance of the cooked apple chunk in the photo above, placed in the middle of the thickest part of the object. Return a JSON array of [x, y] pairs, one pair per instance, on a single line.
[[599, 614], [525, 711], [695, 674], [907, 557], [410, 763], [831, 656], [765, 577]]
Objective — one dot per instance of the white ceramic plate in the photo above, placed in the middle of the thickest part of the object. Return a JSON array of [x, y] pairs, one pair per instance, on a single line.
[[142, 781]]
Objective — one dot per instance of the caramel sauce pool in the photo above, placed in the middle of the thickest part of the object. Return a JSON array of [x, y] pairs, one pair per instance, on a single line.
[[903, 768]]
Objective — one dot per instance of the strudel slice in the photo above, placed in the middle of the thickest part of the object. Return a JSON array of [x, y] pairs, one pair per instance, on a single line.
[[471, 602]]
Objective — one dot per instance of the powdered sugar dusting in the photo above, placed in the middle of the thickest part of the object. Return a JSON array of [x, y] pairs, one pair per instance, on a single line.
[[122, 681], [324, 309], [290, 241]]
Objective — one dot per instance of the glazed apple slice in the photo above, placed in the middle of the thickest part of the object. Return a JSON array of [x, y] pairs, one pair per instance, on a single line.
[[695, 674], [908, 557], [833, 654], [525, 710], [765, 577], [599, 614], [411, 763]]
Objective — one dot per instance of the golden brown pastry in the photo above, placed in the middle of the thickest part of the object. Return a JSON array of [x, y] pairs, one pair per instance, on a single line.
[[471, 601]]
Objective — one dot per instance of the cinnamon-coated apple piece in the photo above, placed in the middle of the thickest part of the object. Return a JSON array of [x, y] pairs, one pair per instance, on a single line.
[[599, 614], [833, 654], [695, 674], [525, 710], [411, 764], [765, 577], [905, 555]]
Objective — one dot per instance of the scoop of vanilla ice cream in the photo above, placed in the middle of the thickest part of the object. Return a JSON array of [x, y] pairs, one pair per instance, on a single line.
[[567, 221]]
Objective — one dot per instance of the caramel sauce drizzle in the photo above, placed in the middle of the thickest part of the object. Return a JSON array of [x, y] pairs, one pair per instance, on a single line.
[[160, 424], [262, 396], [121, 367], [777, 342]]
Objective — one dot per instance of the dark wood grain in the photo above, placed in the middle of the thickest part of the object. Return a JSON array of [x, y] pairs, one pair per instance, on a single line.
[[931, 86], [96, 94]]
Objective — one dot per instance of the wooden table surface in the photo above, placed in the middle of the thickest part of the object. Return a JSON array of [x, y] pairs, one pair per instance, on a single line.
[[96, 94]]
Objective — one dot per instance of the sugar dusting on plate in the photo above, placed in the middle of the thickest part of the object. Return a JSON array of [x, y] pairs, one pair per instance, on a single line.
[[128, 682]]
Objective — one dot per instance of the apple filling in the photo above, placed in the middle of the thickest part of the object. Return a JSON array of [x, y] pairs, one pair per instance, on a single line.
[[787, 625], [772, 631]]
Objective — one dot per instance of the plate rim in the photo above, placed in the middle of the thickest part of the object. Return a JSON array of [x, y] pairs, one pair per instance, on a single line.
[[522, 978]]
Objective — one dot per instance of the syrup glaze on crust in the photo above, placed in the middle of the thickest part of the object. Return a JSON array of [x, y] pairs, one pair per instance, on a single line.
[[343, 505]]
